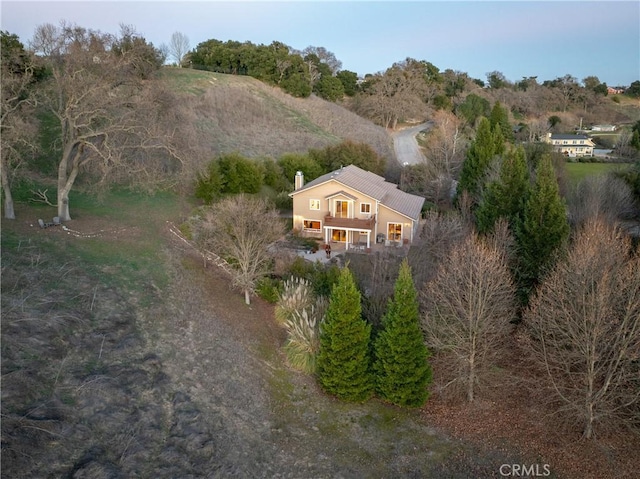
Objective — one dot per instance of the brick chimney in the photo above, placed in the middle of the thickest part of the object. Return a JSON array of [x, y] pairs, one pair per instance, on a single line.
[[298, 181]]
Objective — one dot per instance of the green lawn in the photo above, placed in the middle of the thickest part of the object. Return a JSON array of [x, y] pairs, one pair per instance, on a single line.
[[579, 171]]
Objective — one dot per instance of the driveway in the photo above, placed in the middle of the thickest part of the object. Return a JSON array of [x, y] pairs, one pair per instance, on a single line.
[[406, 146]]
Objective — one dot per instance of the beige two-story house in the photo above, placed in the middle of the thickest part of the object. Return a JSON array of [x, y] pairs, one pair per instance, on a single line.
[[355, 207], [571, 145]]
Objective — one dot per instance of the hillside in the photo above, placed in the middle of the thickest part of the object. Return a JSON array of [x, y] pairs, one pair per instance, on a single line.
[[123, 356], [240, 114]]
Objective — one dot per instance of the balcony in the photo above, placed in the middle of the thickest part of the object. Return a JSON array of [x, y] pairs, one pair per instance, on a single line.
[[353, 223]]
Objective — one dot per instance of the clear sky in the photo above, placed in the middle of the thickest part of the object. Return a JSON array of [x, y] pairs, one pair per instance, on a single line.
[[547, 39]]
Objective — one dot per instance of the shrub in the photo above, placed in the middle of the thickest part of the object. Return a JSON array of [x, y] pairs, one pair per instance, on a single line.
[[321, 277], [349, 153], [209, 183], [283, 201], [269, 289]]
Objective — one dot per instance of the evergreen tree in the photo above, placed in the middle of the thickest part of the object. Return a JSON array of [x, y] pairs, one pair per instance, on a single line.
[[544, 228], [473, 107], [500, 117], [505, 197], [487, 144], [402, 372], [343, 362]]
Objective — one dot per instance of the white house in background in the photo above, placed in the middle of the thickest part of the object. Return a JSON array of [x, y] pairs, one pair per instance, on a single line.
[[355, 207], [603, 128], [571, 145]]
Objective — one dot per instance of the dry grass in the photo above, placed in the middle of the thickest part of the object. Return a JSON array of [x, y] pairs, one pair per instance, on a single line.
[[240, 114], [137, 378]]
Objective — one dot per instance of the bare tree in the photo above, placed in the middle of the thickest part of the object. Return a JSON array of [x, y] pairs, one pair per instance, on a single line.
[[537, 129], [623, 146], [568, 88], [18, 131], [445, 142], [439, 234], [606, 196], [397, 94], [469, 306], [585, 329], [314, 72], [107, 112], [241, 229], [178, 47], [444, 154]]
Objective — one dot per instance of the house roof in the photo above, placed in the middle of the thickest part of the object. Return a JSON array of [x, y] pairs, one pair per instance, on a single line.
[[562, 136], [374, 186]]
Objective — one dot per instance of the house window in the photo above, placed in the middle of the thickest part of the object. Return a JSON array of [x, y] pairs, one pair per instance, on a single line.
[[339, 235], [312, 225], [365, 208], [394, 231], [342, 209], [314, 205]]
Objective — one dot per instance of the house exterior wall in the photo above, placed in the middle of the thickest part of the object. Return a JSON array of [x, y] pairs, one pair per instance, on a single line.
[[572, 147], [326, 194], [386, 216], [302, 205]]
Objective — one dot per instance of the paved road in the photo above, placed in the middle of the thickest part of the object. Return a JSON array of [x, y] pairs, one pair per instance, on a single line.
[[406, 146]]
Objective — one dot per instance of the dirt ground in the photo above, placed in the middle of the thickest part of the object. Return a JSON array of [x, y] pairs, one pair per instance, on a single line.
[[185, 380]]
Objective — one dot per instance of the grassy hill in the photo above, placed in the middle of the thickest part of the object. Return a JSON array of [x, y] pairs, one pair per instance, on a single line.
[[240, 114]]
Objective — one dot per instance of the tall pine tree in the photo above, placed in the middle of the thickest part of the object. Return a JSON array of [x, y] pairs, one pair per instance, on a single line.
[[505, 197], [488, 143], [401, 368], [500, 116], [544, 228], [344, 362]]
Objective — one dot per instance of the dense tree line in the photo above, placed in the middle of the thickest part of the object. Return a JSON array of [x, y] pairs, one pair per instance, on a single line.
[[300, 73], [409, 89], [232, 173]]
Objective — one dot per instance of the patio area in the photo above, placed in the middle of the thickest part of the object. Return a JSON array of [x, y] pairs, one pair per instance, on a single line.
[[339, 249]]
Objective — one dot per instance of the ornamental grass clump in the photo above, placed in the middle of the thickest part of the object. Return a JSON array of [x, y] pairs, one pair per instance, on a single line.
[[296, 295], [301, 313]]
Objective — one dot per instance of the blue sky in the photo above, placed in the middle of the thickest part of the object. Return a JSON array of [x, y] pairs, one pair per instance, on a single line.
[[547, 39]]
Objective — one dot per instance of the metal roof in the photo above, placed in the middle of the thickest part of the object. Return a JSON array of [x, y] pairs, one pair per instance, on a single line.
[[560, 136]]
